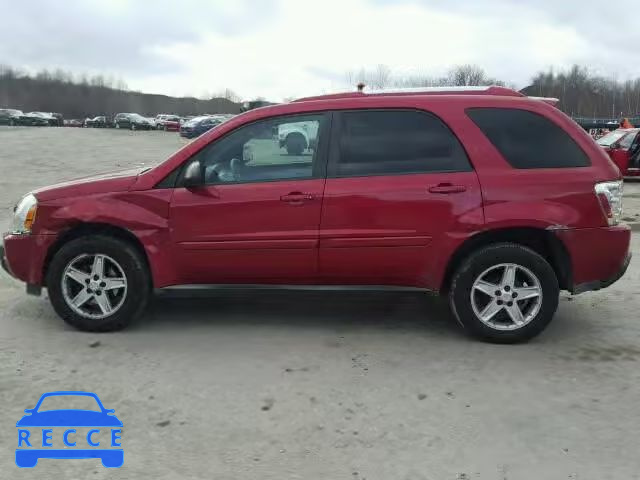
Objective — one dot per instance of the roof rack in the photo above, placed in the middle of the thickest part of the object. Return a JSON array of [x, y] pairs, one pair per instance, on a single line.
[[470, 90]]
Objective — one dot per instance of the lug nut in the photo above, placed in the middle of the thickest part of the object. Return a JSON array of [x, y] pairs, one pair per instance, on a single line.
[[509, 304], [96, 277], [86, 281], [99, 292], [498, 293], [507, 288], [89, 290], [499, 302], [514, 295], [103, 284]]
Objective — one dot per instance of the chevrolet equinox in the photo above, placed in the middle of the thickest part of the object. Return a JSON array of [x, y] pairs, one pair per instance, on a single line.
[[495, 200]]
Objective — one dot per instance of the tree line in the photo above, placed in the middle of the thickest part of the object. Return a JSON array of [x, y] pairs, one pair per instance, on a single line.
[[88, 96], [581, 93]]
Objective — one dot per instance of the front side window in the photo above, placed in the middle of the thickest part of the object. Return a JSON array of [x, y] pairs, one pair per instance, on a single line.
[[528, 140], [378, 142], [278, 148]]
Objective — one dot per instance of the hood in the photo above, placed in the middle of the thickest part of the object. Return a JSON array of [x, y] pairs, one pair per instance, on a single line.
[[118, 181], [69, 418]]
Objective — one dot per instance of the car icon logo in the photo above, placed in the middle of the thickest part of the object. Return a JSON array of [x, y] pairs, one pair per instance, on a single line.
[[65, 433]]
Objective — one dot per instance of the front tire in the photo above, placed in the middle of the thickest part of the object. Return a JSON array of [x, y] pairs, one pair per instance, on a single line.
[[504, 293], [98, 283]]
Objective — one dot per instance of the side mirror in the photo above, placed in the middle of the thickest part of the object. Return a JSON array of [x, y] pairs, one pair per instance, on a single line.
[[28, 410], [614, 146], [193, 175]]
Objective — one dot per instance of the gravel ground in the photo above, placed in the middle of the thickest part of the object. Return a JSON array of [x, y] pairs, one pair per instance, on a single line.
[[323, 385]]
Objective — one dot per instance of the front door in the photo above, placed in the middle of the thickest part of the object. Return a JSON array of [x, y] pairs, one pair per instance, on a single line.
[[399, 181], [256, 220]]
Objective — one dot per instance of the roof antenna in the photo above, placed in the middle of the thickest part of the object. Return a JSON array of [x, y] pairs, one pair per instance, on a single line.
[[361, 86]]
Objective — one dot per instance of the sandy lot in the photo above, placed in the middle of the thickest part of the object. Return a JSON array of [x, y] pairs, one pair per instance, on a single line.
[[292, 385]]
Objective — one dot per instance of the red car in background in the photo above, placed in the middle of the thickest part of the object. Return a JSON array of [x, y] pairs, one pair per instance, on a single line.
[[169, 123], [623, 147]]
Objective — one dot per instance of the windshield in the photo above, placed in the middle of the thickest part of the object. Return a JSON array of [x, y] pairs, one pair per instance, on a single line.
[[67, 402], [611, 138], [135, 116]]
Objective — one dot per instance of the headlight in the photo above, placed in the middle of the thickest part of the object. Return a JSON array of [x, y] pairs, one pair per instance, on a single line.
[[25, 214]]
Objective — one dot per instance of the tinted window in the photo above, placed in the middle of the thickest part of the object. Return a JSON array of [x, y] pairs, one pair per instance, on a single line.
[[274, 149], [397, 142], [528, 140]]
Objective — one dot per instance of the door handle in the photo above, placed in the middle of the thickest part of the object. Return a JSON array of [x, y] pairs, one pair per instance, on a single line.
[[447, 188], [296, 197]]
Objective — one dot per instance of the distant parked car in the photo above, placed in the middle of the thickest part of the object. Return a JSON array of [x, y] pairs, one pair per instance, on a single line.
[[50, 119], [132, 121], [96, 122], [31, 120], [9, 116], [198, 125], [169, 123], [73, 123], [623, 147]]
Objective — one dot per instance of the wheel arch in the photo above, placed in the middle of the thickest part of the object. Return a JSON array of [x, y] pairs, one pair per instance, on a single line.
[[542, 241], [86, 229]]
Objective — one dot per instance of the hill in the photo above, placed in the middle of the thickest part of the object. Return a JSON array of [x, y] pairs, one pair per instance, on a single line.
[[58, 92]]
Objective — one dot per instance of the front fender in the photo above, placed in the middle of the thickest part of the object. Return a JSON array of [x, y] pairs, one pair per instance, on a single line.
[[145, 215]]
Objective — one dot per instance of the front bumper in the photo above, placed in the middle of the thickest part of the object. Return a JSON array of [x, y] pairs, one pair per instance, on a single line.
[[23, 257]]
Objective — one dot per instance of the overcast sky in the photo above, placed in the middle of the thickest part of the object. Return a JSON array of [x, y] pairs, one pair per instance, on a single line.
[[285, 48]]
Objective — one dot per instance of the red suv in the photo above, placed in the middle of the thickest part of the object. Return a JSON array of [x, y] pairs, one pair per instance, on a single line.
[[623, 146], [496, 200]]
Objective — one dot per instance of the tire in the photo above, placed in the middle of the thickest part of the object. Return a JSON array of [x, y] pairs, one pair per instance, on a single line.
[[489, 264], [128, 304], [295, 143]]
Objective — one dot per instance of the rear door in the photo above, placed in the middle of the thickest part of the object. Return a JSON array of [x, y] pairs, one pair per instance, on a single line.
[[399, 182]]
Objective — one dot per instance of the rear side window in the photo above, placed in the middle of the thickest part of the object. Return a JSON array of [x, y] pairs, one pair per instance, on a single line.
[[378, 142], [528, 140]]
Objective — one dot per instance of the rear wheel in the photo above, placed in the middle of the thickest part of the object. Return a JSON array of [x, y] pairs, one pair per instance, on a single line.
[[504, 293], [98, 283]]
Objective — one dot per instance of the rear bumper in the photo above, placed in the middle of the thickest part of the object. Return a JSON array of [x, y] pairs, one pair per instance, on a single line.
[[599, 256], [600, 284]]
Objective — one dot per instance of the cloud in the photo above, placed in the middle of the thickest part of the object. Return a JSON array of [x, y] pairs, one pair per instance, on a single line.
[[284, 48]]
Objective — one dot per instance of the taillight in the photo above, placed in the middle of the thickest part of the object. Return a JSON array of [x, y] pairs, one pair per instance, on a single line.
[[610, 197]]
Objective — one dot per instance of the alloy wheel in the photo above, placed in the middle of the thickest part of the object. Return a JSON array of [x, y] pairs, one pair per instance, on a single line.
[[94, 286], [506, 296]]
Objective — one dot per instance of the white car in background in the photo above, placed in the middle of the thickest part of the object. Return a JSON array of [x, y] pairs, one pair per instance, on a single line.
[[298, 137]]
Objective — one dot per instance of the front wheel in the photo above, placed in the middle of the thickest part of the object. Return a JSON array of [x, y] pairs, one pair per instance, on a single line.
[[98, 283], [504, 293]]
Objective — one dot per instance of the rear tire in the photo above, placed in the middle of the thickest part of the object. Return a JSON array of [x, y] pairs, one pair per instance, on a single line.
[[122, 257], [485, 270]]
